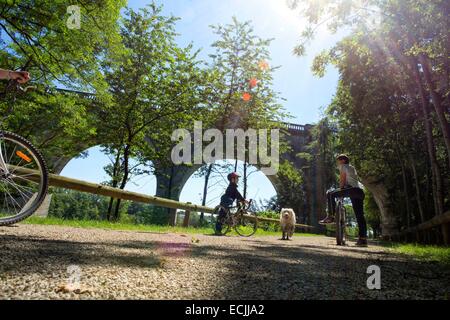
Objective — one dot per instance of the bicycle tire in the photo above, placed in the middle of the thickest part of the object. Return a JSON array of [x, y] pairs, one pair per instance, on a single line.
[[43, 188], [250, 225]]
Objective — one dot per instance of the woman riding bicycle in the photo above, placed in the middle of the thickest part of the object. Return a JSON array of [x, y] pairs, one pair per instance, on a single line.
[[349, 186]]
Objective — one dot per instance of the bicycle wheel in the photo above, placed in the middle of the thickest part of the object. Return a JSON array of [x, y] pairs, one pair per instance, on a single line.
[[340, 225], [21, 191], [223, 220], [245, 226]]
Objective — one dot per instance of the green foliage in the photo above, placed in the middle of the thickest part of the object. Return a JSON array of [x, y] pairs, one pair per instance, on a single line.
[[290, 187], [147, 214], [385, 100], [37, 37], [269, 226], [427, 253], [240, 57], [372, 214], [67, 204]]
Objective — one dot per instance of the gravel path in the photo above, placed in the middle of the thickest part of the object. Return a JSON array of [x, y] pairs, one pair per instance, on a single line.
[[41, 262]]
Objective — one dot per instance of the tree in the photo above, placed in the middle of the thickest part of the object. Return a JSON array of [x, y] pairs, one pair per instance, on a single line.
[[391, 105], [290, 188], [155, 86], [35, 35], [242, 95]]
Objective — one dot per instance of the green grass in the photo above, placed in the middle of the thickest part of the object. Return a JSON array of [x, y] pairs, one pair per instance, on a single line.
[[421, 252], [127, 226]]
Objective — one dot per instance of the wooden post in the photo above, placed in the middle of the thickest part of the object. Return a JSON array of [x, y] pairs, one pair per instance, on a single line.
[[187, 214], [172, 217]]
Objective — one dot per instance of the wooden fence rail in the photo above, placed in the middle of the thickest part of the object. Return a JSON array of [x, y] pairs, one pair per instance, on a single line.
[[94, 188], [442, 221]]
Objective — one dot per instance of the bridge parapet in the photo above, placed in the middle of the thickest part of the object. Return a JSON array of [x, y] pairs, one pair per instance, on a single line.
[[297, 129]]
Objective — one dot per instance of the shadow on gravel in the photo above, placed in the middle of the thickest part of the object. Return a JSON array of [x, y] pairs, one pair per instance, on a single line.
[[270, 271], [51, 255], [254, 269]]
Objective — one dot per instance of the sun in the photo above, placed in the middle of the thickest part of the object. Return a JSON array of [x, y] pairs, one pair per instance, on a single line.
[[290, 18]]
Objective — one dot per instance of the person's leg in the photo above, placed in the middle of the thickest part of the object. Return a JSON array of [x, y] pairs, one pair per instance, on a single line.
[[329, 202], [357, 198], [358, 207], [337, 194], [331, 198], [219, 220]]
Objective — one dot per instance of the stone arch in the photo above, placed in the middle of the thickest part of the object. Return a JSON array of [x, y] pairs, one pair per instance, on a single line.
[[273, 179], [170, 178]]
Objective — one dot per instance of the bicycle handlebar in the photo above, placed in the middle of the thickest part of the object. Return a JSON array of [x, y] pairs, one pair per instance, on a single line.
[[249, 204]]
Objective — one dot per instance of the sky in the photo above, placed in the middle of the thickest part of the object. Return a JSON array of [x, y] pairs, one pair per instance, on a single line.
[[306, 95]]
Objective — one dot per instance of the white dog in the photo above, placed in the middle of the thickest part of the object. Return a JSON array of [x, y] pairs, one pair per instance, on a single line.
[[287, 223]]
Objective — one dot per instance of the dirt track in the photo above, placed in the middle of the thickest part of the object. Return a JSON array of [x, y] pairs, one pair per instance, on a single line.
[[34, 263]]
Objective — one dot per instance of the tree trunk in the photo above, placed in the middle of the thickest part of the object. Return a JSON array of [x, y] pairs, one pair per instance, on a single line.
[[114, 183], [205, 190], [172, 213], [410, 66], [389, 223], [245, 180], [416, 184], [436, 173], [437, 102], [405, 184], [406, 195], [126, 158]]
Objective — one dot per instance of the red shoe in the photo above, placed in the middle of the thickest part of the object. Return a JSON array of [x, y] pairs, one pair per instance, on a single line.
[[327, 220]]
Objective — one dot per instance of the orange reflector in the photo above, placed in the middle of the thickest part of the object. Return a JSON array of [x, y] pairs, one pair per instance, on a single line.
[[22, 155]]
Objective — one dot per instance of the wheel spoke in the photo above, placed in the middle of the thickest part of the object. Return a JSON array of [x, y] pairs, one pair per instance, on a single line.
[[20, 188], [22, 177], [12, 202]]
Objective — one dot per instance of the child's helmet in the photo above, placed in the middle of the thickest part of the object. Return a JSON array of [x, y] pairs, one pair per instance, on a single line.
[[233, 175]]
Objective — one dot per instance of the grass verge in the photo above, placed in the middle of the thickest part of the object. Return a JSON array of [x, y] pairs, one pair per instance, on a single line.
[[422, 252], [126, 226]]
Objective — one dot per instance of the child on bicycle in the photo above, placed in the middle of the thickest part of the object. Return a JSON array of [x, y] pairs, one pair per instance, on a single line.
[[349, 186], [231, 194]]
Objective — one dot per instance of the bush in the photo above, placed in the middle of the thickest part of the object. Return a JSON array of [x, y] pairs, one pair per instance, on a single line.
[[269, 226], [148, 214]]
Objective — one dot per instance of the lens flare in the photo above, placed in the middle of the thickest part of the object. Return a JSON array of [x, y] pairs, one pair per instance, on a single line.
[[263, 65], [246, 96], [253, 83]]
